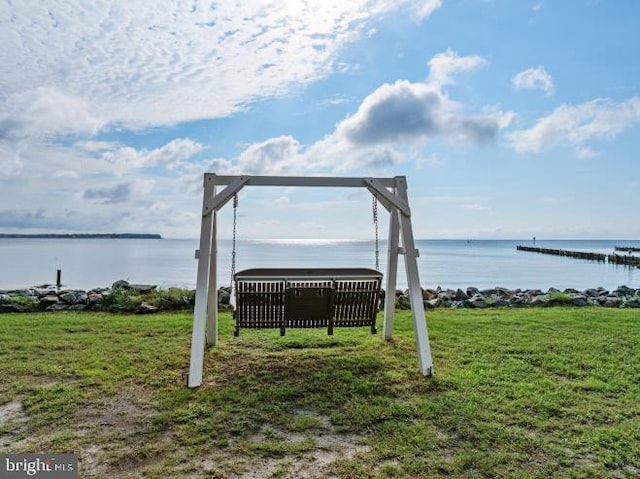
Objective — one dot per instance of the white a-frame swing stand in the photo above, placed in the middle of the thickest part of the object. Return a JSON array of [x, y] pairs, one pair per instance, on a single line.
[[390, 192]]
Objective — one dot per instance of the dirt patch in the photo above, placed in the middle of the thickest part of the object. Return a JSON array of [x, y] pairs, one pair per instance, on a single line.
[[11, 412], [119, 421], [115, 437], [12, 424], [304, 455]]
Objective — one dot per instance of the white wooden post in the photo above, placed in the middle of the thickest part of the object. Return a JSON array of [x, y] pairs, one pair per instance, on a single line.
[[200, 310], [392, 273], [212, 294], [413, 279]]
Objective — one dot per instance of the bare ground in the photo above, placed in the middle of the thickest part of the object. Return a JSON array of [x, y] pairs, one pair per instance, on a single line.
[[113, 439]]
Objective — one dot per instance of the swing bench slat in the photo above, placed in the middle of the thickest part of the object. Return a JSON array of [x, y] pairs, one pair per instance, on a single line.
[[282, 298]]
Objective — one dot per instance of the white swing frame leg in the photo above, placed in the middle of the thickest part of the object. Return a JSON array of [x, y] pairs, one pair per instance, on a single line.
[[205, 261], [415, 291]]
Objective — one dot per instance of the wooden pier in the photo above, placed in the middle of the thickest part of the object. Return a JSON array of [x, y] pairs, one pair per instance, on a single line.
[[564, 252], [601, 257], [627, 249], [624, 259]]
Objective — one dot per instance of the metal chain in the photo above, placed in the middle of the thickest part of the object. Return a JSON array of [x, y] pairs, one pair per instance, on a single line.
[[375, 222], [233, 242]]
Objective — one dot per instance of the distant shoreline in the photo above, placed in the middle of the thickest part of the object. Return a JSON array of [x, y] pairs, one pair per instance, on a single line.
[[84, 236]]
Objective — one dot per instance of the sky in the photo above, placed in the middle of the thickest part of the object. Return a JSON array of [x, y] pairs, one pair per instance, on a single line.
[[510, 119]]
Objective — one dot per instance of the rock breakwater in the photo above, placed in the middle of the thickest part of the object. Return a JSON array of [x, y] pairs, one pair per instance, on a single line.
[[622, 297], [123, 297]]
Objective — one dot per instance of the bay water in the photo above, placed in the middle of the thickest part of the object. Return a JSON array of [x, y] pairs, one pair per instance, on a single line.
[[89, 263]]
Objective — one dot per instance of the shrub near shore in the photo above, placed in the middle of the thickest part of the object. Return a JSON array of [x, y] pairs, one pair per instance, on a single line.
[[143, 299]]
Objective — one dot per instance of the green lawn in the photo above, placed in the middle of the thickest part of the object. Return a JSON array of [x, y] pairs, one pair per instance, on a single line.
[[551, 392]]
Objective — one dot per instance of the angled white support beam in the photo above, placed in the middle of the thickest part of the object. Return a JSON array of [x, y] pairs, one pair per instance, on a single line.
[[202, 289], [387, 198], [214, 203]]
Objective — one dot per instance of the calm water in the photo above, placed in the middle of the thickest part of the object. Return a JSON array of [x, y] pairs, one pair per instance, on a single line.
[[88, 263]]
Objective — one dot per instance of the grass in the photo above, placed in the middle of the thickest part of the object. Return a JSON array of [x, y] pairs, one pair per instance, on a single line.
[[517, 393]]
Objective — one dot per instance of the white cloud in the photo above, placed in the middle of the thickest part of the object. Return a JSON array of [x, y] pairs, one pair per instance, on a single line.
[[10, 161], [473, 207], [575, 125], [45, 112], [119, 193], [407, 111], [444, 65], [67, 174], [431, 161], [172, 155], [424, 8], [275, 156], [534, 79], [389, 127], [586, 152], [140, 63]]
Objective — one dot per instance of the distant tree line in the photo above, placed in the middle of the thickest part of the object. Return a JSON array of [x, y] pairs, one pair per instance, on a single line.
[[84, 235]]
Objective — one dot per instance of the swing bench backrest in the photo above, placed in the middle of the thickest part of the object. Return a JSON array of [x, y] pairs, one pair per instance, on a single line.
[[284, 298]]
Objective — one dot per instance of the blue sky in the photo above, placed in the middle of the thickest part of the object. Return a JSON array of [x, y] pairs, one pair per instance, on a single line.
[[509, 119]]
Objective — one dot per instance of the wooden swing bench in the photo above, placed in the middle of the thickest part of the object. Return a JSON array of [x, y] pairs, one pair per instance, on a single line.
[[281, 298]]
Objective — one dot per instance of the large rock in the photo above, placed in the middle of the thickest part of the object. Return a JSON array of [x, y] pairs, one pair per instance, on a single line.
[[579, 300], [143, 288], [73, 297], [592, 293], [403, 302], [224, 296], [120, 284], [48, 300], [477, 301], [534, 292], [612, 302], [146, 308], [504, 292], [433, 303], [11, 308], [625, 291], [540, 301], [518, 301], [94, 297], [631, 303], [429, 294], [140, 288], [472, 291], [460, 295], [60, 306], [500, 302]]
